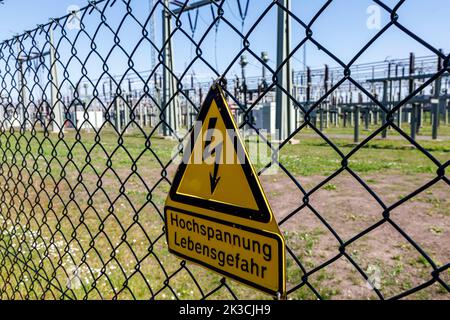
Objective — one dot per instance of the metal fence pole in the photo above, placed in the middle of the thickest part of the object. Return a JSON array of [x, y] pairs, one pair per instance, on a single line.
[[413, 121], [383, 113], [58, 121], [435, 104], [356, 132], [118, 117], [23, 96], [327, 105], [167, 101], [400, 110], [283, 75]]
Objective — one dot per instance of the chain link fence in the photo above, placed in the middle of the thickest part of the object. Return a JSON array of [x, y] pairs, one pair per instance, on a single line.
[[93, 107]]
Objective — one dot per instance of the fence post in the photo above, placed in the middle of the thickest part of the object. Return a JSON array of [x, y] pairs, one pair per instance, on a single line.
[[383, 113], [168, 113], [327, 105], [356, 133], [436, 103], [117, 118], [56, 105], [146, 122], [413, 121], [321, 117], [366, 118], [126, 112], [282, 105], [21, 74], [445, 112], [399, 111], [339, 117], [141, 115]]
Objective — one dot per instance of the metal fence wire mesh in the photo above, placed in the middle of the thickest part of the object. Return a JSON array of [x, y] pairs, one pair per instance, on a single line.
[[84, 171]]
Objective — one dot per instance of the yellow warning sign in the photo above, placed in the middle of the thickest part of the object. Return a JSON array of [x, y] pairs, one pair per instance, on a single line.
[[216, 212]]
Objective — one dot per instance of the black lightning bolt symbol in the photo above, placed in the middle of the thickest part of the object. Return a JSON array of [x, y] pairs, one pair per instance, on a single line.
[[213, 177]]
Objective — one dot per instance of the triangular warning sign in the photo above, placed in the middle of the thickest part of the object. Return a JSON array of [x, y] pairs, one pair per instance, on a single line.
[[216, 172], [216, 212]]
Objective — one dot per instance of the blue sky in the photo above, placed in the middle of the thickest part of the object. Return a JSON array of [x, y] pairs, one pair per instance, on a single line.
[[342, 29]]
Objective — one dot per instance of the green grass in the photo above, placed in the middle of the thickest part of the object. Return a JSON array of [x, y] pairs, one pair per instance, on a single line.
[[310, 157], [120, 224], [425, 130], [330, 187], [313, 156], [42, 169]]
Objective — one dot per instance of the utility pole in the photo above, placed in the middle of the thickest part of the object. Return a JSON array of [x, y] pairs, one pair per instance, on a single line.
[[24, 102], [399, 98], [413, 120], [118, 117], [383, 112], [58, 121], [308, 88], [265, 58], [86, 98], [152, 25], [436, 102], [168, 114], [326, 104], [282, 116], [243, 63]]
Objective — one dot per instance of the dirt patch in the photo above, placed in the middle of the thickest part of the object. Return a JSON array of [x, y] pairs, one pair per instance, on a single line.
[[343, 210], [337, 212]]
